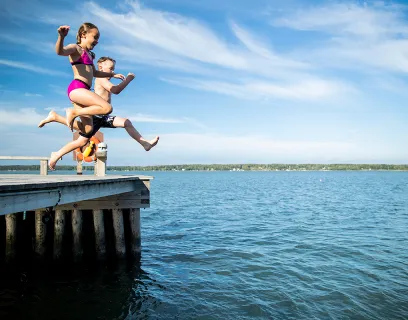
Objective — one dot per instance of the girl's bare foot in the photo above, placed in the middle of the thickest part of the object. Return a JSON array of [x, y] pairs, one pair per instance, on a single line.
[[70, 118], [53, 161], [50, 118], [147, 145]]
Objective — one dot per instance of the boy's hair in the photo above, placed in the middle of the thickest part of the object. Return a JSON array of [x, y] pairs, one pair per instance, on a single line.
[[103, 59], [84, 28]]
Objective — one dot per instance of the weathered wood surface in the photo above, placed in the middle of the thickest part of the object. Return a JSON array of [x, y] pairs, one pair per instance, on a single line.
[[31, 192], [134, 221], [59, 232], [11, 234], [134, 199], [40, 233], [119, 231], [99, 227], [76, 223]]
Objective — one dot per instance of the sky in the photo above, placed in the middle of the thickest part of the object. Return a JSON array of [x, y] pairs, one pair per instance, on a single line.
[[229, 81]]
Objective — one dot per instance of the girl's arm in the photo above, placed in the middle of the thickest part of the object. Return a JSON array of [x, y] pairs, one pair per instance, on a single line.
[[59, 46]]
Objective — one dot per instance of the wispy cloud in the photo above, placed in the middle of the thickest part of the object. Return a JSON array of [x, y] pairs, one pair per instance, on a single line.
[[169, 32], [61, 110], [58, 89], [361, 38], [367, 35], [33, 45], [21, 117], [27, 94], [311, 89], [177, 42], [32, 68], [258, 48], [148, 118]]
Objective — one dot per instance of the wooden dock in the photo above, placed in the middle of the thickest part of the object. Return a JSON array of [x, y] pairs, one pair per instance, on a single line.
[[72, 196]]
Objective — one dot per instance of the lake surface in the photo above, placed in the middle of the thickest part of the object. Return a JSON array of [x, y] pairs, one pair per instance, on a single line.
[[242, 245]]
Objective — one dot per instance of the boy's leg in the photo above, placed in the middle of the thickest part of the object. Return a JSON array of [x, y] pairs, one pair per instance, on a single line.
[[119, 122], [78, 143]]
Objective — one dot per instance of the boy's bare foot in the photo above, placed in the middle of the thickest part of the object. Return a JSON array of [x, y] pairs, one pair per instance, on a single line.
[[70, 118], [50, 118], [147, 145]]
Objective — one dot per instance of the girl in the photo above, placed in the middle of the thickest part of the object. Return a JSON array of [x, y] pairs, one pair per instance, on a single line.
[[86, 102]]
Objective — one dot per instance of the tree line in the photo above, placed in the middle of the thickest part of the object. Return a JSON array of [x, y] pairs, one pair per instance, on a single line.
[[227, 167]]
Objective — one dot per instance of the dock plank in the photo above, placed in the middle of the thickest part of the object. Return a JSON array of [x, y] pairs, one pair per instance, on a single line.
[[20, 192], [19, 182]]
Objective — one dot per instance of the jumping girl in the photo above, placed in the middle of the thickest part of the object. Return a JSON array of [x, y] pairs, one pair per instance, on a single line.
[[86, 102]]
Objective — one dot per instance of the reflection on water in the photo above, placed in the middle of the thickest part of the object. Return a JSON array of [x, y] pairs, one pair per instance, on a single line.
[[117, 290]]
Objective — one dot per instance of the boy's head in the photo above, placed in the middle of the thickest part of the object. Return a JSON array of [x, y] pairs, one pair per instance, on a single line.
[[106, 64]]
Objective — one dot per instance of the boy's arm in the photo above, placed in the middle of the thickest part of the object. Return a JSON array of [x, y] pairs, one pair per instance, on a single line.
[[101, 74], [116, 89]]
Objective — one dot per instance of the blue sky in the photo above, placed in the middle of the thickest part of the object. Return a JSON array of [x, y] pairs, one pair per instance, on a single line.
[[220, 82]]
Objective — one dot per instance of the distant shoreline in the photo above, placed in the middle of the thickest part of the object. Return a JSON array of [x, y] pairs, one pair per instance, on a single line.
[[229, 167]]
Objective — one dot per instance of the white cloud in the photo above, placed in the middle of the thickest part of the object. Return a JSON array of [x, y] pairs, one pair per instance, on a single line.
[[30, 67], [376, 20], [169, 32], [258, 48], [149, 55], [27, 94], [59, 90], [22, 117], [148, 118], [309, 89], [57, 109], [34, 45], [182, 44], [369, 37]]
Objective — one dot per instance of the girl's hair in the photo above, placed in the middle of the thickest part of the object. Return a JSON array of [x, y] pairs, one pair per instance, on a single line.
[[103, 59], [84, 28]]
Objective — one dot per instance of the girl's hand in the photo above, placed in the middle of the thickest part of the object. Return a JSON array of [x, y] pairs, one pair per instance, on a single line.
[[63, 31], [119, 76]]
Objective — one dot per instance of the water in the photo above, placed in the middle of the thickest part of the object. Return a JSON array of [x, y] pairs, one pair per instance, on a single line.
[[243, 245]]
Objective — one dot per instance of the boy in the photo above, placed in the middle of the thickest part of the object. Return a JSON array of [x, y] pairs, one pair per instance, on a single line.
[[104, 88]]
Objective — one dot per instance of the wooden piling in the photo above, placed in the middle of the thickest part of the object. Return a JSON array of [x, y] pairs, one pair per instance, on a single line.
[[40, 233], [59, 228], [76, 221], [134, 221], [119, 232], [11, 236], [99, 227]]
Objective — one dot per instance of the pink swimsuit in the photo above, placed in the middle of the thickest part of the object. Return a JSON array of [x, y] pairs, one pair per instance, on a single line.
[[76, 83]]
